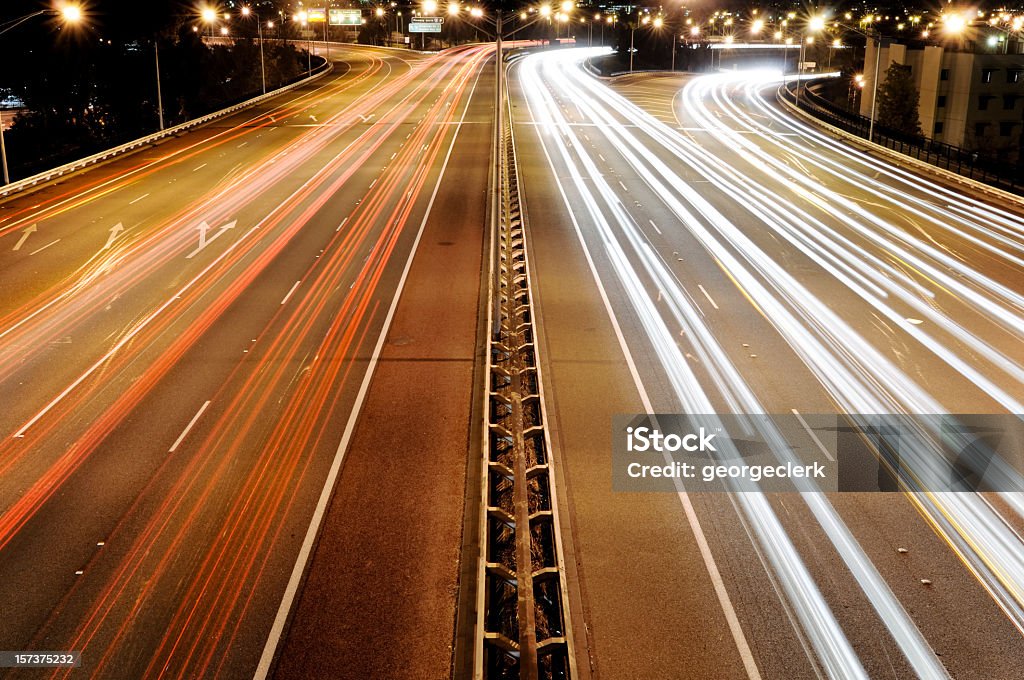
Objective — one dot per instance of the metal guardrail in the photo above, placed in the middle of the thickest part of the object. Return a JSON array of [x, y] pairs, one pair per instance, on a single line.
[[522, 630], [943, 156], [128, 147]]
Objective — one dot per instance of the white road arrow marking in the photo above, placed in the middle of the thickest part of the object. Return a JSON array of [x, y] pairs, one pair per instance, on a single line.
[[24, 237], [203, 241], [365, 118], [114, 231]]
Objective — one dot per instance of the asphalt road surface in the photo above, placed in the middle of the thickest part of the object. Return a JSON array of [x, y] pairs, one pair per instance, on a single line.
[[188, 338], [696, 250]]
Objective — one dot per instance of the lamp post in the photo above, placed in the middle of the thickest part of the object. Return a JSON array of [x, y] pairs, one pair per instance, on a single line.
[[159, 92], [815, 24], [246, 11], [209, 16], [69, 14], [879, 42]]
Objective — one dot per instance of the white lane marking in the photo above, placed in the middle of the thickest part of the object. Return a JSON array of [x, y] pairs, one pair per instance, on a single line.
[[188, 428], [808, 430], [623, 186], [342, 224], [602, 158], [655, 227], [199, 167], [241, 145], [277, 629], [707, 296], [24, 236], [138, 199], [372, 183], [39, 250], [916, 322], [290, 292]]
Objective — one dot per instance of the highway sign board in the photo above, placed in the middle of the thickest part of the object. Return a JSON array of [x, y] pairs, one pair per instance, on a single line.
[[346, 17], [425, 24], [316, 16]]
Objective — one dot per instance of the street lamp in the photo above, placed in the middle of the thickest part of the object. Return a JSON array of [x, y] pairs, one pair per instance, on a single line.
[[246, 12], [632, 30], [877, 37], [68, 14], [815, 24]]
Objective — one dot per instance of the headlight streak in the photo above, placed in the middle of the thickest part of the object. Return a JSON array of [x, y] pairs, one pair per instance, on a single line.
[[981, 538], [908, 201], [873, 267], [973, 517], [816, 619]]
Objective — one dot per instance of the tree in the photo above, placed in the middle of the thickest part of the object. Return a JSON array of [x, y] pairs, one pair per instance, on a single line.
[[898, 101]]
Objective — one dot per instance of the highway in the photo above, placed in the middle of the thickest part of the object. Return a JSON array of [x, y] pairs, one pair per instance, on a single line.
[[697, 250], [238, 372], [190, 337]]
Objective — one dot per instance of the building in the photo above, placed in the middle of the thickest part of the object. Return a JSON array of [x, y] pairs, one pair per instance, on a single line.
[[971, 93]]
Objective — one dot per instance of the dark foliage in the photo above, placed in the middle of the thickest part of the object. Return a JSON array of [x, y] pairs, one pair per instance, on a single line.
[[898, 101], [93, 86]]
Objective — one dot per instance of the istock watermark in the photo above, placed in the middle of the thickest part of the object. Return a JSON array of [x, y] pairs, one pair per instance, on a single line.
[[817, 452]]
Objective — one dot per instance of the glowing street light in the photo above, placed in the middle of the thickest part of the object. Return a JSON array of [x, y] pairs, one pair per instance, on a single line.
[[955, 24], [246, 12], [815, 24], [69, 14], [757, 26]]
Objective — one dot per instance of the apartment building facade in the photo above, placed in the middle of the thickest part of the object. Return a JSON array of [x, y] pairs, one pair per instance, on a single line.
[[971, 94]]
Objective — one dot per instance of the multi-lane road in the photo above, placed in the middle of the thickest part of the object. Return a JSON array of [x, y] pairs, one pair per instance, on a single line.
[[698, 250], [187, 341], [238, 370]]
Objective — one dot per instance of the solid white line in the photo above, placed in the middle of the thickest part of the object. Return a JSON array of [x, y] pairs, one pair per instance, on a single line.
[[817, 442], [188, 428], [707, 296], [137, 199], [655, 227], [292, 589], [39, 250], [290, 292]]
